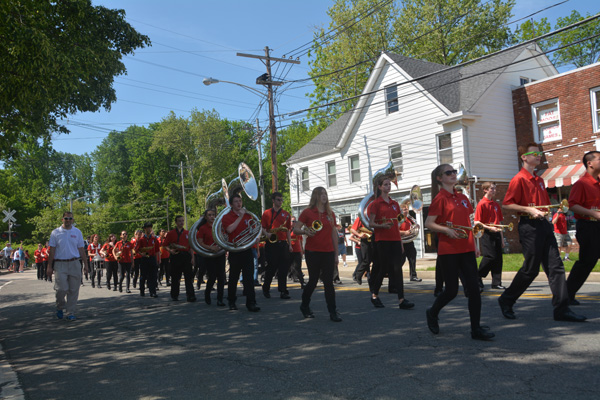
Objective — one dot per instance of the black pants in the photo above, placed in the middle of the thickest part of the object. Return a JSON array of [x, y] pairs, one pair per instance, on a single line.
[[320, 265], [453, 266], [587, 235], [124, 271], [137, 262], [296, 266], [364, 265], [148, 274], [491, 251], [241, 262], [165, 270], [215, 267], [97, 272], [199, 269], [181, 263], [410, 252], [539, 247], [390, 262], [278, 261], [44, 269], [112, 272], [40, 267]]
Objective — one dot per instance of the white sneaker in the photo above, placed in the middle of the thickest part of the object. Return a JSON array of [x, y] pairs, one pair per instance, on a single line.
[[345, 264]]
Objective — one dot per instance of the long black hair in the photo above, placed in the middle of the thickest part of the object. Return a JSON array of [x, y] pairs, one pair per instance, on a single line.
[[204, 218]]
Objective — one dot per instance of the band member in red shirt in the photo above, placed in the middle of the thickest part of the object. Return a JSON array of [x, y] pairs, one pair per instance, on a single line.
[[488, 213], [383, 218], [296, 256], [234, 222], [525, 191], [321, 251], [149, 250], [278, 253], [456, 254], [409, 247], [177, 243], [112, 267], [584, 201], [39, 261], [122, 253], [96, 265], [165, 261], [137, 258], [559, 220], [45, 261], [215, 266]]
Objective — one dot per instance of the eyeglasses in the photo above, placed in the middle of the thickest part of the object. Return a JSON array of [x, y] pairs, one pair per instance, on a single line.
[[534, 153], [451, 172], [279, 199], [68, 218]]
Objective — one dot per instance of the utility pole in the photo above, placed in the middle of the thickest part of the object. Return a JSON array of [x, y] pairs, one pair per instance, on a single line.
[[180, 166], [267, 80], [261, 180]]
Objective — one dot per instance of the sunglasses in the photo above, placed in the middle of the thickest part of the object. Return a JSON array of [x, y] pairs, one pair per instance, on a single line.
[[68, 218], [534, 153], [451, 172]]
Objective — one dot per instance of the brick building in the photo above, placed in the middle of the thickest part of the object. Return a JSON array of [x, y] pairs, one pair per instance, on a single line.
[[562, 114]]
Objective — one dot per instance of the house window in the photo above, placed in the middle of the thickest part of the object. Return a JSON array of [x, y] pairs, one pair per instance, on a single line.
[[396, 157], [524, 81], [391, 98], [354, 169], [595, 98], [445, 148], [546, 121], [304, 175], [331, 179]]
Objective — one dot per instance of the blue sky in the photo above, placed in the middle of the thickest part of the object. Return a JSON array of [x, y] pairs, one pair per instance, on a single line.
[[193, 40]]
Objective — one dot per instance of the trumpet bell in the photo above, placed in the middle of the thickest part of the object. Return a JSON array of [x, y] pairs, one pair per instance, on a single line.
[[387, 172], [416, 198], [317, 225]]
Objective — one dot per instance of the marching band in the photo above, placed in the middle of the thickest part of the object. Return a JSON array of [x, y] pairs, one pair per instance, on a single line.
[[383, 234]]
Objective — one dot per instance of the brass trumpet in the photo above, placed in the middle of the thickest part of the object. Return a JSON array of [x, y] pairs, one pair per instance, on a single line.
[[143, 251], [399, 218], [272, 237], [462, 230], [177, 247], [563, 205], [509, 226], [368, 233], [315, 227]]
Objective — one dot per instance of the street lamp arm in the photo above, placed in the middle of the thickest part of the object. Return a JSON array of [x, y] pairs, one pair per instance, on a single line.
[[210, 81]]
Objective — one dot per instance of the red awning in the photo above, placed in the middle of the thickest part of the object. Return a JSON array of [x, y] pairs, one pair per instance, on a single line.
[[562, 176]]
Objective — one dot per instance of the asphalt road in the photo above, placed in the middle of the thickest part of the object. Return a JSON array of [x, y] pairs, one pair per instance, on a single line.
[[132, 347]]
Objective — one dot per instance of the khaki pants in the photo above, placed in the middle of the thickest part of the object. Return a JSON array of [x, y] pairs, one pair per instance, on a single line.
[[67, 279]]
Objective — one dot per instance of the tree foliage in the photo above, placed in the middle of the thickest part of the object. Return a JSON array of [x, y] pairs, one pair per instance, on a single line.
[[447, 32], [57, 58]]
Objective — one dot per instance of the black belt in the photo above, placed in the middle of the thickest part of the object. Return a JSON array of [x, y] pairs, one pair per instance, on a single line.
[[70, 259]]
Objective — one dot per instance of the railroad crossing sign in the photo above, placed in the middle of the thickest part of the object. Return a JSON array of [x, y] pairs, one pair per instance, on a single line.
[[9, 215]]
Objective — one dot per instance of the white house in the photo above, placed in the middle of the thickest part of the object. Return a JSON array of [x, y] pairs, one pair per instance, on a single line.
[[419, 114]]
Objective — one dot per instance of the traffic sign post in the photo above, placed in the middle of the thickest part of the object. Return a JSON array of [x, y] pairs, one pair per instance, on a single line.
[[9, 217]]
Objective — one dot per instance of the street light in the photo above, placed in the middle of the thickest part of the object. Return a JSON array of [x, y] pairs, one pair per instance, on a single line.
[[71, 200], [263, 80]]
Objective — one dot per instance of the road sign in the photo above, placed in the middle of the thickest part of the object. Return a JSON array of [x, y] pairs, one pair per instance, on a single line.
[[9, 215]]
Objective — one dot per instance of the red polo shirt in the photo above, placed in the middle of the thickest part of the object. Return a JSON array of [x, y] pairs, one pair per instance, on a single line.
[[134, 244], [383, 209], [488, 212], [177, 237], [93, 250], [271, 219], [356, 226], [205, 233], [125, 248], [585, 193], [296, 243], [164, 253], [230, 218], [45, 254], [148, 241], [322, 241], [526, 189], [455, 208], [38, 256], [561, 224], [108, 248]]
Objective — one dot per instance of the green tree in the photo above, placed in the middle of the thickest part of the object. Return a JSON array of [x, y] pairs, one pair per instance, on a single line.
[[581, 54], [531, 29], [57, 58], [447, 32]]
